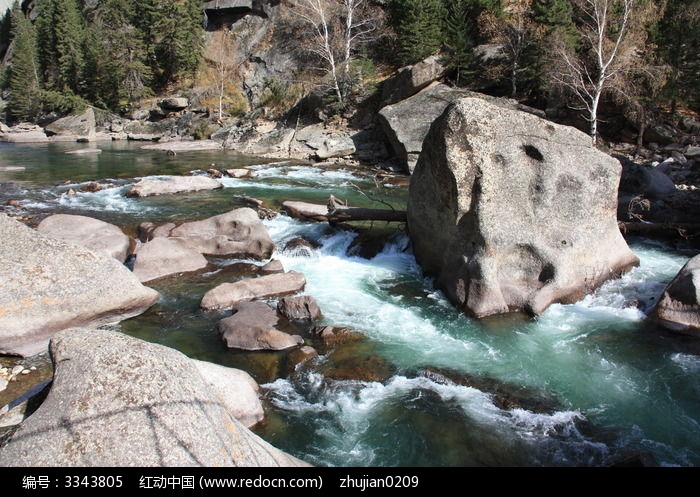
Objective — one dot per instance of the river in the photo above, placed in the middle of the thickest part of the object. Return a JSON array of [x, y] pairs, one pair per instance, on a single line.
[[593, 382]]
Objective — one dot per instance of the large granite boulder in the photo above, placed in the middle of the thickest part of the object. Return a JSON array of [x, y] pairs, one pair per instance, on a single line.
[[47, 285], [74, 127], [679, 306], [237, 233], [407, 123], [165, 256], [88, 232], [174, 184], [512, 213], [120, 401], [253, 327], [410, 80], [228, 295], [237, 391]]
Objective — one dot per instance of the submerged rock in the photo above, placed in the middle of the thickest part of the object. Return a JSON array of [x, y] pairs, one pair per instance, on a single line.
[[174, 184], [505, 209], [49, 285], [120, 401], [504, 395], [237, 233], [253, 327], [679, 306], [336, 335], [88, 232], [165, 256], [299, 308], [228, 295]]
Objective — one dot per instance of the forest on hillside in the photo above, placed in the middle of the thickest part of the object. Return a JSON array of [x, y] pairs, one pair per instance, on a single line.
[[638, 56]]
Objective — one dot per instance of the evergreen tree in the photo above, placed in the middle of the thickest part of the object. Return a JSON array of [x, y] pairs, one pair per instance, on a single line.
[[679, 46], [6, 28], [115, 55], [69, 36], [459, 41], [173, 37], [463, 32], [556, 17], [46, 39], [23, 78], [419, 28]]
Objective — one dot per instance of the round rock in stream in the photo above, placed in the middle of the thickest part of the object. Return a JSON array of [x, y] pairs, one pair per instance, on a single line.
[[299, 308], [253, 327]]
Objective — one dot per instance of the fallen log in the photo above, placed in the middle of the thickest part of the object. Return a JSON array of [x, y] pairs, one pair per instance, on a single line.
[[337, 212], [662, 230]]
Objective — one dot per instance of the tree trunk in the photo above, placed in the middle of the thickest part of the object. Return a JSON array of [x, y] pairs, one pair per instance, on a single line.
[[660, 230], [336, 212]]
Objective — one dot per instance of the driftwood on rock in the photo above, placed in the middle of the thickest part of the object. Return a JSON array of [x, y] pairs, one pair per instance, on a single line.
[[336, 211]]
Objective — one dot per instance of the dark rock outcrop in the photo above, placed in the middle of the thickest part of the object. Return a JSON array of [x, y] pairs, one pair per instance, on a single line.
[[49, 285], [505, 207], [120, 401]]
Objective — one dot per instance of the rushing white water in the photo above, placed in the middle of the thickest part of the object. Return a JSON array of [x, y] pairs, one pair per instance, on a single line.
[[562, 351], [612, 382]]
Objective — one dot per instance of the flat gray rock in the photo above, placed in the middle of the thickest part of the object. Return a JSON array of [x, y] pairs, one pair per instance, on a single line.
[[47, 285], [228, 295], [87, 232], [165, 256], [119, 401], [173, 184], [253, 327]]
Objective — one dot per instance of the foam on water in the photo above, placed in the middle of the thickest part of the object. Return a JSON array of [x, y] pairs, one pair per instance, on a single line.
[[344, 412]]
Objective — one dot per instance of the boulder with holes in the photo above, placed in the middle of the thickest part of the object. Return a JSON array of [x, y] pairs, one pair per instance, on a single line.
[[511, 212]]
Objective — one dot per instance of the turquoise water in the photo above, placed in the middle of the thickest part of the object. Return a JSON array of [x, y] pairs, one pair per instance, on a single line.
[[585, 384]]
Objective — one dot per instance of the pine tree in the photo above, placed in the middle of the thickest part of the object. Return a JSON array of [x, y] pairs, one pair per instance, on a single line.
[[419, 28], [46, 39], [462, 30], [679, 46], [459, 37], [115, 55], [173, 37], [24, 84], [556, 17], [69, 35]]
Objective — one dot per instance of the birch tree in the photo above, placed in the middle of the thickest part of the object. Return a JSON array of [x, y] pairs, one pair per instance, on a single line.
[[610, 30], [337, 29]]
